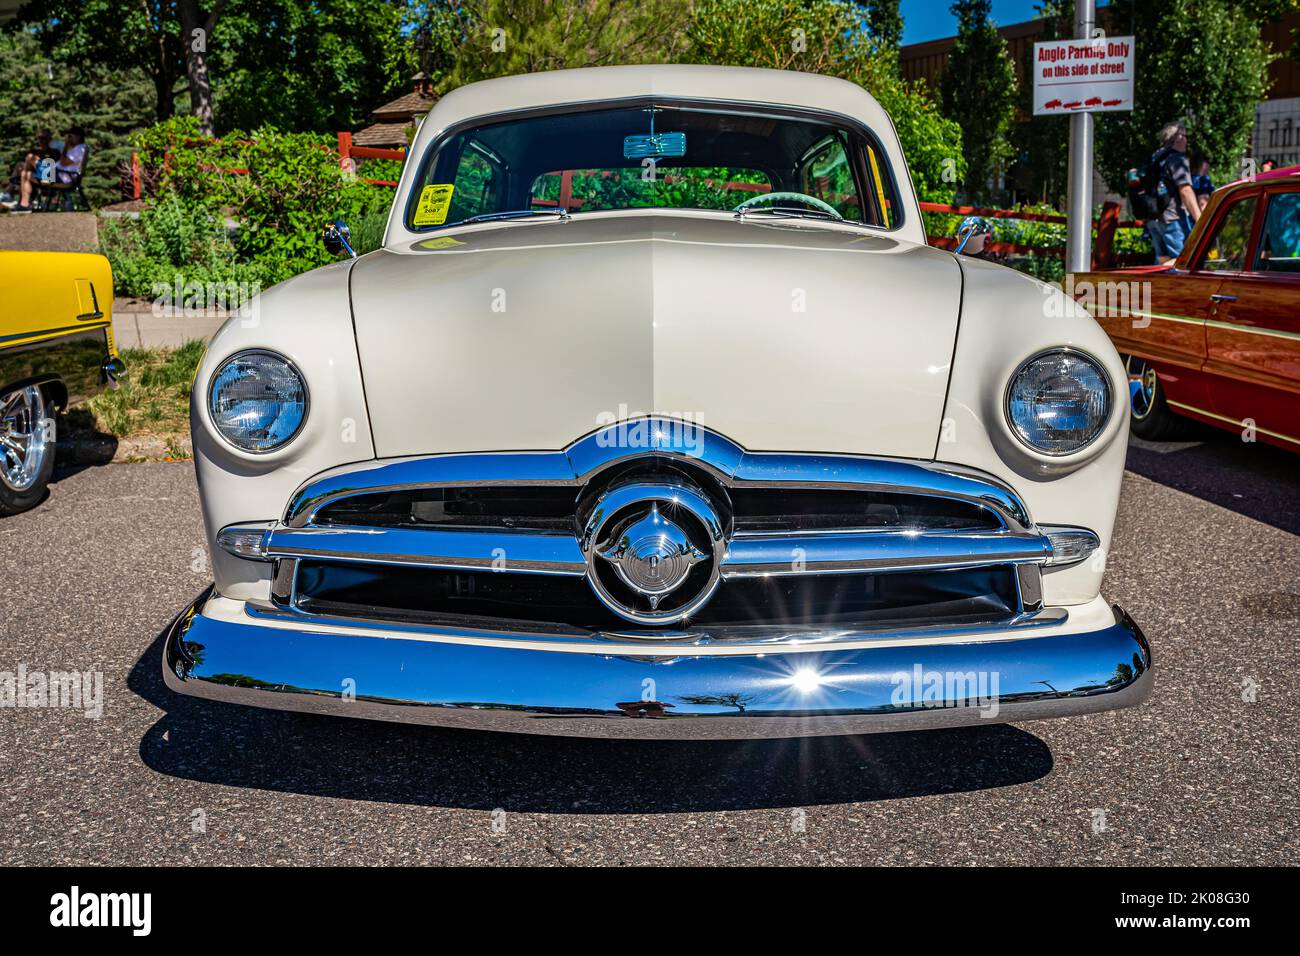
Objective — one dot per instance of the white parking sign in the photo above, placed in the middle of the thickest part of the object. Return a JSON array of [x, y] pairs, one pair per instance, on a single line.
[[1073, 76]]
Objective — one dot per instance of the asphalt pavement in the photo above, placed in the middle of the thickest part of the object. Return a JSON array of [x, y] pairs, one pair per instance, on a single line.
[[1207, 771]]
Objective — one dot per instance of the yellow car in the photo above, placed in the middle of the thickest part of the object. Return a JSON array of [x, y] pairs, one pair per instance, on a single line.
[[56, 348]]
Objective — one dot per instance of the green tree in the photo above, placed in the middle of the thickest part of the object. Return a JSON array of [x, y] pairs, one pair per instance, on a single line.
[[829, 36], [324, 66], [39, 90], [1041, 144], [492, 38], [306, 64], [144, 35], [978, 90], [1201, 61], [197, 24], [884, 22]]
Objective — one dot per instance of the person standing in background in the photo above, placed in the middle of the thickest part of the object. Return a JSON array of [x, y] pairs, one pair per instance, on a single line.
[[1179, 208]]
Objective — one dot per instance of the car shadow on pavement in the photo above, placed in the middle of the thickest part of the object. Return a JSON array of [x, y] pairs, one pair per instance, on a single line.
[[324, 756], [1250, 478]]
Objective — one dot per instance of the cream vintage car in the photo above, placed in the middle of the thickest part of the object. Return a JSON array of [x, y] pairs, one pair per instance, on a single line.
[[656, 416]]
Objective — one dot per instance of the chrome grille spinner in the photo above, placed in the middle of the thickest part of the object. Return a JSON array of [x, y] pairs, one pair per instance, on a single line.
[[653, 537], [654, 530]]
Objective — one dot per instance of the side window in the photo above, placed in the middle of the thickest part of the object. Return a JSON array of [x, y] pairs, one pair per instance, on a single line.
[[477, 182], [1228, 245], [827, 174], [1279, 243]]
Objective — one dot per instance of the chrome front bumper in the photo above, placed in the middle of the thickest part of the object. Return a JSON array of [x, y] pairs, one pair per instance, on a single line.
[[905, 680]]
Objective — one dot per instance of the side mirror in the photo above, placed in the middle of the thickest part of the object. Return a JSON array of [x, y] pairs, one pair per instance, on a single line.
[[972, 234], [337, 238]]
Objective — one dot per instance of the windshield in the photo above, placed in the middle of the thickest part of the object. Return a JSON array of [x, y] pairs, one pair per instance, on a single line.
[[654, 156]]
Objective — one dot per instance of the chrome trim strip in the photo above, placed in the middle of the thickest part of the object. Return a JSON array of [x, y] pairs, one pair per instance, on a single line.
[[878, 551], [519, 552], [805, 692], [670, 439], [37, 334], [1252, 330], [1109, 313], [1230, 421], [1190, 320], [666, 640]]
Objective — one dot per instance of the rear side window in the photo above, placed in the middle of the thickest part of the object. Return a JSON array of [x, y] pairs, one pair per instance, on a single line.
[[1228, 246], [1279, 244]]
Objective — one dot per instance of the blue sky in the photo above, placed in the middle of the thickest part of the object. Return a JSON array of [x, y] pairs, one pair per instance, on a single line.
[[930, 20]]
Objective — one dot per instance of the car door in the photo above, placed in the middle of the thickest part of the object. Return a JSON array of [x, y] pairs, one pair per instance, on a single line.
[[1253, 329], [1163, 322]]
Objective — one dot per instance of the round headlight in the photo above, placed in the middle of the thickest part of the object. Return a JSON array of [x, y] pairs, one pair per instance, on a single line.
[[1058, 402], [258, 401]]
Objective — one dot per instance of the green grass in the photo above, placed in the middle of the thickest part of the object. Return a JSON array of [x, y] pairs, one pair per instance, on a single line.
[[154, 398]]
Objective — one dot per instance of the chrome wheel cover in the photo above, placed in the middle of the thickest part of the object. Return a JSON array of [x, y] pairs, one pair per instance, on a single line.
[[1141, 387], [26, 437]]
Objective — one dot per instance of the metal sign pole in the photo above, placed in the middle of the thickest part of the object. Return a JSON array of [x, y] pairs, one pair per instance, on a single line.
[[1078, 228]]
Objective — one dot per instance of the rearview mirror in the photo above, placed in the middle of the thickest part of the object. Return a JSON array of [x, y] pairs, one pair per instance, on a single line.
[[654, 145], [337, 238], [972, 234]]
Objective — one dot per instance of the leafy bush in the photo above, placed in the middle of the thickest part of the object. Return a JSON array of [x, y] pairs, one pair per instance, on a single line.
[[278, 188], [172, 238]]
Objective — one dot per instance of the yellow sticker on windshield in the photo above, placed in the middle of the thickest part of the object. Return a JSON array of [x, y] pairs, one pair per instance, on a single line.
[[433, 205]]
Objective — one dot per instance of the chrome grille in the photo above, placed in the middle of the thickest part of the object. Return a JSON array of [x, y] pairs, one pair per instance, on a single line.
[[936, 540]]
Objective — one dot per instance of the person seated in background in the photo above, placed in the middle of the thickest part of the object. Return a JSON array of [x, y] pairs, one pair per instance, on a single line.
[[23, 179], [1202, 185], [68, 168]]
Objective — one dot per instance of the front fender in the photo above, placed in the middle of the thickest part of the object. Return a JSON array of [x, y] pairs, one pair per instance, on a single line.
[[308, 320], [1006, 318]]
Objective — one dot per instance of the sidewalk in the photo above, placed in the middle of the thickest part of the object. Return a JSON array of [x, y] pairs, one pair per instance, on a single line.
[[49, 232], [135, 326]]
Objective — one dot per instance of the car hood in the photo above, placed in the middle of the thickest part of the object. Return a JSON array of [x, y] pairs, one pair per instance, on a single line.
[[780, 334]]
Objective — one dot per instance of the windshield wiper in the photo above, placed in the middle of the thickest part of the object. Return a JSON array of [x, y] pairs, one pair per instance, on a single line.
[[798, 212], [516, 214]]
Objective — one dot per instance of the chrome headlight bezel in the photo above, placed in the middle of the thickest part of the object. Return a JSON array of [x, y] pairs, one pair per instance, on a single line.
[[215, 422], [1102, 425]]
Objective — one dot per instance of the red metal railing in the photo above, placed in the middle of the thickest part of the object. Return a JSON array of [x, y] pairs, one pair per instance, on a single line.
[[1104, 255], [349, 153]]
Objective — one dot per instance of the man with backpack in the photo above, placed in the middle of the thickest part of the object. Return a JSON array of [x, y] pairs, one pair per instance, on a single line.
[[1162, 195]]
